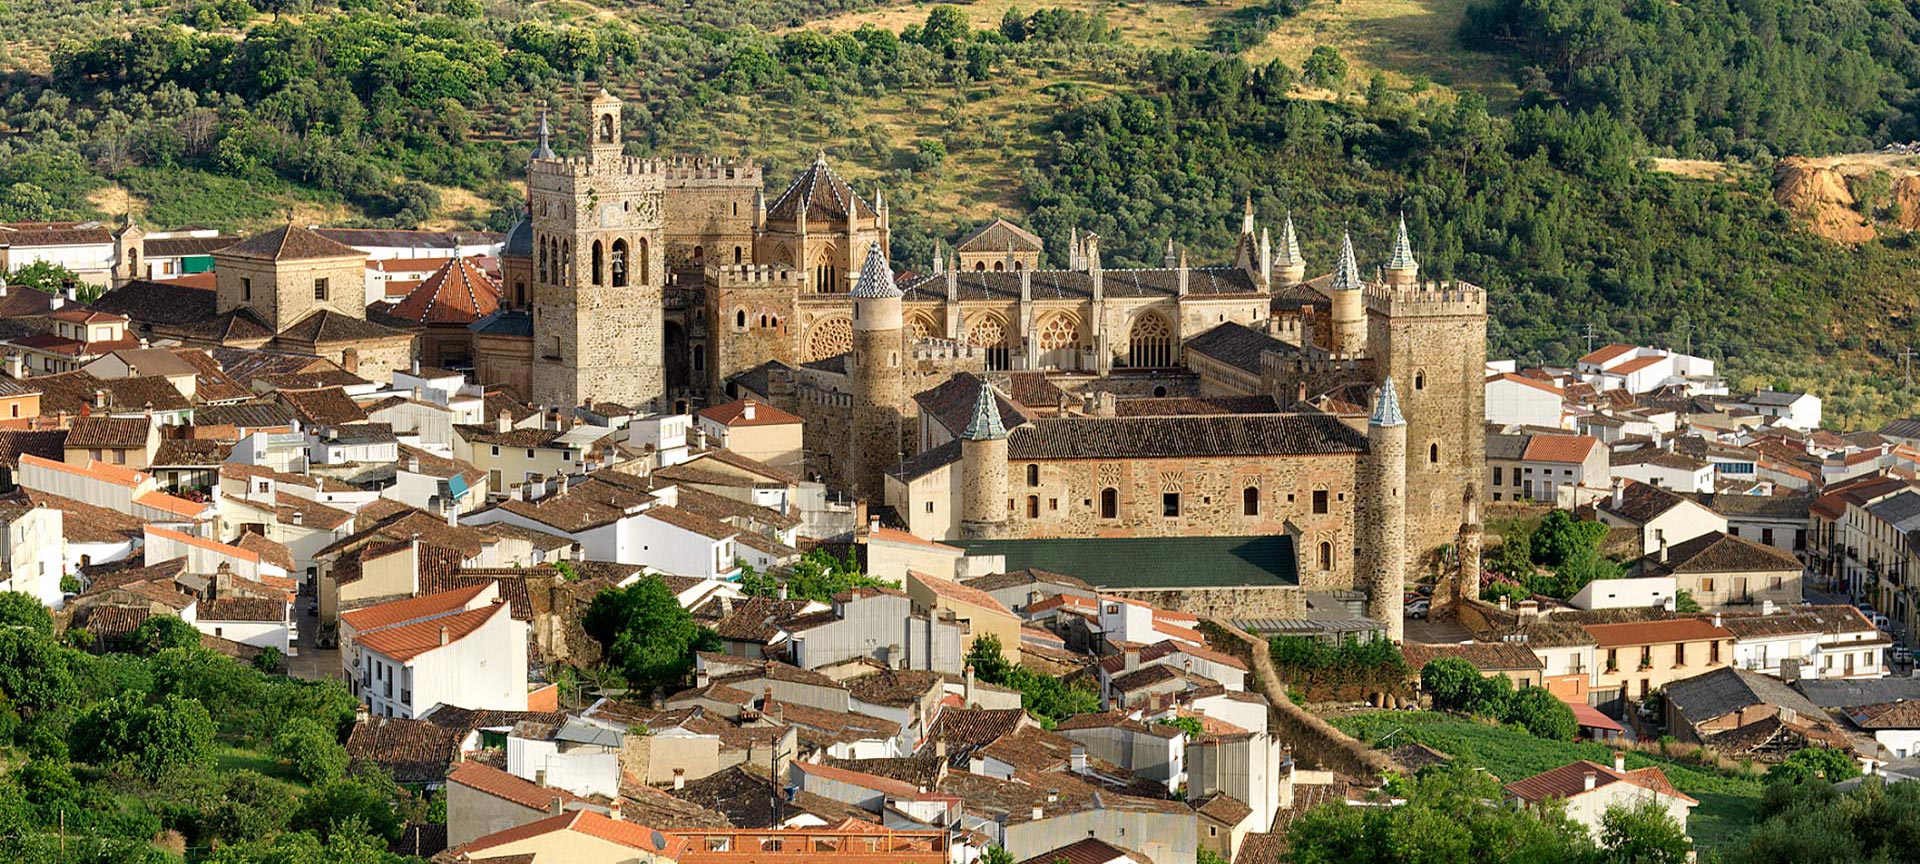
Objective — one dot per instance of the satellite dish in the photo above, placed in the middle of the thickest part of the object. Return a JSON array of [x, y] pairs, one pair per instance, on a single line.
[[659, 840]]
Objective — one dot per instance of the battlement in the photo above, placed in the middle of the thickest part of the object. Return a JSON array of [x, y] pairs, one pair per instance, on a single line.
[[934, 348], [746, 275], [712, 171], [1434, 299], [1290, 365], [580, 166]]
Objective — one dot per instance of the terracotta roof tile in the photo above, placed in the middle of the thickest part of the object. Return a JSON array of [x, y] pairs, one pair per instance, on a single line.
[[289, 243], [456, 293], [426, 606], [407, 641], [1656, 632], [508, 787]]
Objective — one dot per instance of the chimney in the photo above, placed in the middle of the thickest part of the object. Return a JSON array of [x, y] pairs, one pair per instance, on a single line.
[[783, 590], [940, 748], [1587, 781], [503, 421], [1053, 796], [297, 518], [613, 809], [746, 410], [413, 463], [1620, 761], [1529, 609], [1039, 813], [1716, 619], [1504, 602], [679, 779], [1619, 492], [1130, 658], [415, 368], [16, 366], [443, 635], [553, 804], [966, 696], [99, 398], [539, 776], [701, 677], [1663, 550], [1077, 759]]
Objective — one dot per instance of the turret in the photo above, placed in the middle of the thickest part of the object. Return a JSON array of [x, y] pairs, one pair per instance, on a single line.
[[605, 111], [879, 376], [1292, 267], [983, 469], [1402, 271], [544, 149], [1383, 516], [1349, 303]]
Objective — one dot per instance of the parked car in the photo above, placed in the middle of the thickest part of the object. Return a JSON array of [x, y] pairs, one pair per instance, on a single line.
[[1417, 609]]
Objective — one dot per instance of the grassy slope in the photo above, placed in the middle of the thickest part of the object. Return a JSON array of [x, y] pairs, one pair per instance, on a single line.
[[1728, 804]]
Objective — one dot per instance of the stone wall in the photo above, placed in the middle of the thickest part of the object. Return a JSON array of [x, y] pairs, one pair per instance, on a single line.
[[750, 319], [1315, 742], [1238, 601]]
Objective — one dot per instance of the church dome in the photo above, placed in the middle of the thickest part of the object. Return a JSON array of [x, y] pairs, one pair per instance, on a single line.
[[519, 240]]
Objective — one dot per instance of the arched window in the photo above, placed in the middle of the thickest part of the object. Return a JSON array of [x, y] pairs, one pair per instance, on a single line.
[[1109, 503], [699, 255], [1250, 501], [1033, 506], [519, 293], [599, 264], [1033, 475], [1326, 555], [987, 332], [1150, 342], [979, 265], [737, 254], [740, 319], [1419, 380], [606, 128], [699, 357], [540, 262], [642, 263], [1433, 453], [620, 263], [826, 277], [999, 266], [1019, 266]]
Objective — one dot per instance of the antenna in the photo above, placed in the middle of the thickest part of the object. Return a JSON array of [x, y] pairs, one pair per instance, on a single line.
[[1591, 334], [1906, 358]]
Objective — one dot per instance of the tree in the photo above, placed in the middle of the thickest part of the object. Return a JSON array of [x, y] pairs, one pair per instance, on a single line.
[[946, 28], [1047, 698], [1542, 714], [160, 632], [645, 633], [1449, 681], [1645, 834], [1453, 815], [268, 660], [997, 855], [1560, 538], [1325, 67], [46, 277], [1810, 823], [1684, 603], [313, 752], [1811, 763], [350, 805], [817, 576], [24, 610], [1513, 558], [36, 673], [149, 740]]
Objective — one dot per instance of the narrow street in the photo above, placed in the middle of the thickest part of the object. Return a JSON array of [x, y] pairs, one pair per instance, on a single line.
[[313, 661]]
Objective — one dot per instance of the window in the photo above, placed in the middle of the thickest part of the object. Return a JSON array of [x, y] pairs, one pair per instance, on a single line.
[[1680, 654], [246, 288], [319, 289], [529, 452], [929, 506], [1516, 476], [1319, 500], [1109, 503], [1419, 380], [1706, 585], [740, 319], [1250, 501], [1326, 555], [1170, 504], [1766, 536], [1053, 504], [1433, 453], [496, 449], [1033, 506], [1033, 475], [1713, 652], [1496, 476]]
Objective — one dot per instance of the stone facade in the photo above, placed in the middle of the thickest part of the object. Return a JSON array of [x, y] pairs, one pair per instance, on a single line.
[[598, 231], [751, 310], [284, 291]]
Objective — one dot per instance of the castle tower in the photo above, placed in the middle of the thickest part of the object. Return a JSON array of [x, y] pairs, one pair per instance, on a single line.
[[598, 271], [879, 376], [1349, 303], [1291, 267], [1402, 270], [1468, 586], [1383, 512], [128, 243], [983, 470]]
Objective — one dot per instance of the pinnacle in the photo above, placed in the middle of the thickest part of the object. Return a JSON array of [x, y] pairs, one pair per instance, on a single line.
[[1386, 410], [1346, 277], [986, 425], [876, 277], [1402, 257], [1290, 245]]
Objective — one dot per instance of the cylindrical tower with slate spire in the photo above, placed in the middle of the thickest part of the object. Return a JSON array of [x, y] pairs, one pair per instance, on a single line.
[[1402, 271], [1349, 303], [983, 470], [1383, 526], [879, 377]]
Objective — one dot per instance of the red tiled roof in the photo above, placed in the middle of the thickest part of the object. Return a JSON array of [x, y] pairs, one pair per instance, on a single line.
[[592, 824], [500, 784], [1656, 632], [1608, 353], [412, 608], [1569, 780], [735, 414], [408, 641], [1572, 449], [856, 778], [203, 543], [951, 590], [456, 293], [1636, 364]]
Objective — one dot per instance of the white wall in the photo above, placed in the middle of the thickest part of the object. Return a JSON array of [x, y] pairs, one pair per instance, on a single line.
[[1511, 402], [32, 548], [260, 634]]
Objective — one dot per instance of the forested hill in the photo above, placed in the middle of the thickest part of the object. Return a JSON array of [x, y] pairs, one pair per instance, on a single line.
[[1146, 122]]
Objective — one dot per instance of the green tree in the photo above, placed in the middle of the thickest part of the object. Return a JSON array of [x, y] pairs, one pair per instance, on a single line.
[[1810, 823], [1045, 697], [24, 610], [946, 28], [160, 632], [268, 660], [997, 855], [1560, 538], [1541, 713], [817, 576], [1826, 764], [1449, 682], [314, 753], [1684, 603], [1453, 815], [645, 633], [1513, 558], [1645, 834], [1325, 67], [35, 672], [352, 805], [47, 277], [149, 740]]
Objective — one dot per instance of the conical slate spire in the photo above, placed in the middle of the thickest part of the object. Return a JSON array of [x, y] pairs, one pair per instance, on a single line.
[[876, 278], [1290, 245], [986, 425], [1246, 216], [1386, 410], [1402, 257], [544, 150], [1346, 276]]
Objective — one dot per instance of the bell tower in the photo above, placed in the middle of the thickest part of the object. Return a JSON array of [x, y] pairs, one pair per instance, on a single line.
[[598, 271]]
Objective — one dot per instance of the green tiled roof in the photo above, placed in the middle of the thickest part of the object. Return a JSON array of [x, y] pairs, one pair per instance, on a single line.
[[1152, 562]]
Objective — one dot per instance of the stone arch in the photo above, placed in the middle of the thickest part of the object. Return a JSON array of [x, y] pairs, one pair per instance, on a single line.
[[599, 263], [620, 263], [829, 337], [999, 266], [826, 271], [782, 255], [606, 128], [1058, 339], [989, 331], [920, 325], [1150, 341]]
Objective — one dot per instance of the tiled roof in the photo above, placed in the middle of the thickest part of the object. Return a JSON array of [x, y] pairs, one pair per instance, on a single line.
[[290, 243], [269, 551], [411, 609], [1724, 691], [188, 452], [109, 432], [735, 414], [44, 443], [407, 641], [1641, 502], [413, 751], [456, 293], [1170, 437], [74, 392], [507, 787], [963, 728], [1719, 552], [243, 609], [1788, 507], [592, 824], [1158, 562], [1568, 449], [1222, 808], [988, 285], [1195, 405], [174, 247], [999, 236], [1569, 780], [953, 402], [712, 529], [896, 688], [327, 325], [87, 523], [950, 590], [326, 406], [1656, 632], [395, 238], [819, 196], [588, 503], [1236, 345], [1535, 383], [1029, 576], [1602, 355]]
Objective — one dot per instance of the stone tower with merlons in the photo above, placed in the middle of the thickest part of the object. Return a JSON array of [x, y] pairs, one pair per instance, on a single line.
[[598, 271]]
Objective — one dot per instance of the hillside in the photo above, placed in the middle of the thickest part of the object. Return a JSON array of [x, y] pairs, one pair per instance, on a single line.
[[1109, 116]]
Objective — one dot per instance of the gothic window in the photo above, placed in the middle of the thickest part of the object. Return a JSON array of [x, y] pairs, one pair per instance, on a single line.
[[606, 128], [1250, 501], [620, 263], [919, 326], [540, 263], [1033, 506], [830, 338], [740, 319], [1033, 475], [1019, 266], [737, 253], [699, 357], [979, 265], [1109, 503], [519, 293], [826, 276], [1326, 555], [999, 266], [1419, 380], [599, 264], [1060, 331], [1150, 342], [987, 332]]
